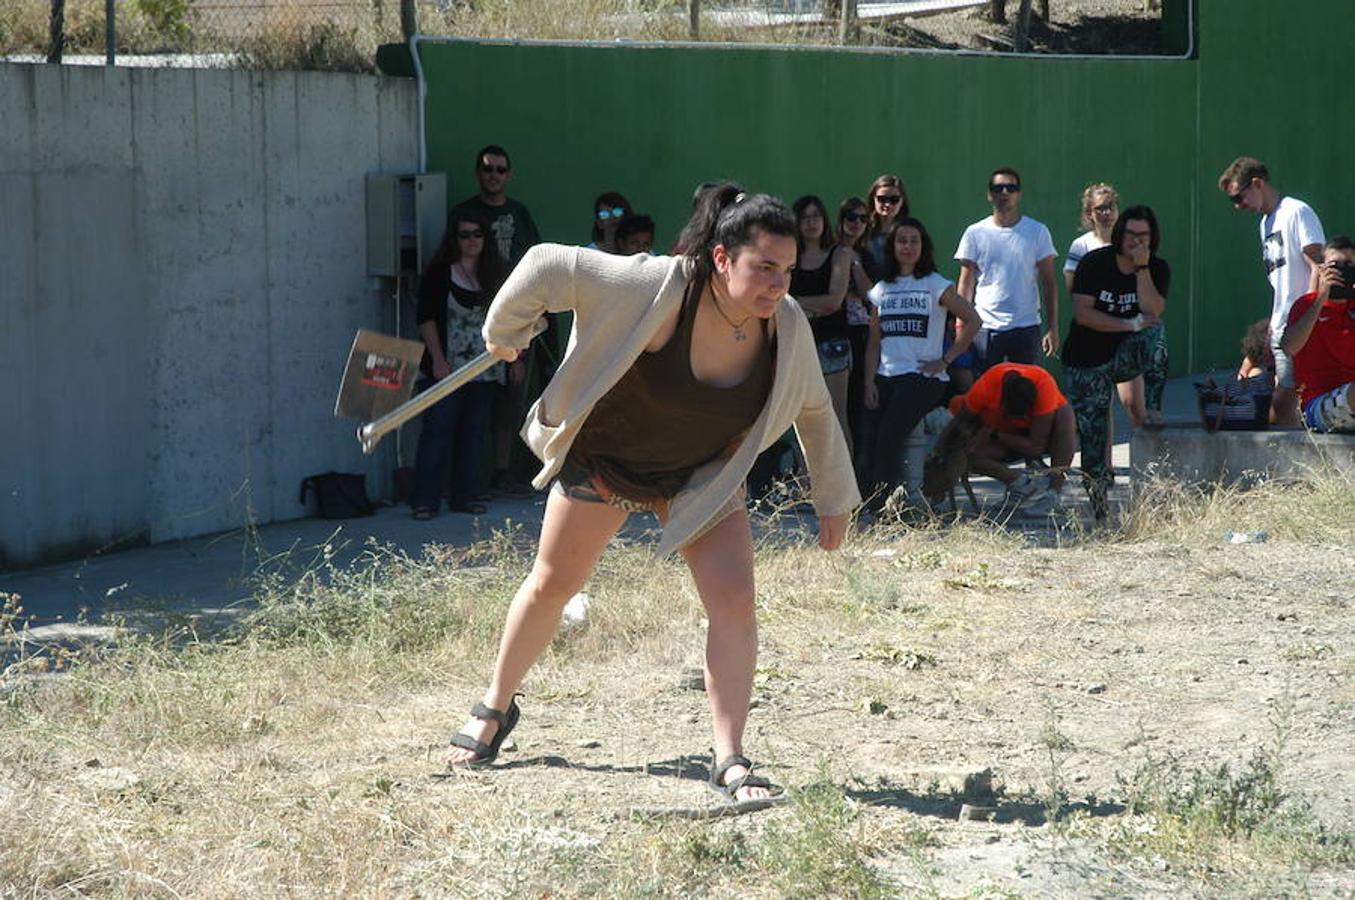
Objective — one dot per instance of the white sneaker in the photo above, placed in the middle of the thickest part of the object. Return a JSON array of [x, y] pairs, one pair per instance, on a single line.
[[1024, 488], [1041, 505]]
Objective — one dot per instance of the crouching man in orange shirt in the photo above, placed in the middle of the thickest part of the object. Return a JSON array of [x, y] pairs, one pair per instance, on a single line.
[[1018, 410]]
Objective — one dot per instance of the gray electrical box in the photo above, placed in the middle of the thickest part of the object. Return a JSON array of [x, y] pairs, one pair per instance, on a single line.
[[406, 217]]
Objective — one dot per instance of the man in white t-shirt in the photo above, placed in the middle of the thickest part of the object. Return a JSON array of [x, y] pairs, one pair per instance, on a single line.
[[1007, 273], [1291, 246]]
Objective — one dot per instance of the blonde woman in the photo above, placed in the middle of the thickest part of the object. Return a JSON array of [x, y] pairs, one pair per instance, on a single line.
[[1100, 209]]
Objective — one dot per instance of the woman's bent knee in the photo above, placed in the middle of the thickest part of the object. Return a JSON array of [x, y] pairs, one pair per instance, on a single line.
[[547, 585]]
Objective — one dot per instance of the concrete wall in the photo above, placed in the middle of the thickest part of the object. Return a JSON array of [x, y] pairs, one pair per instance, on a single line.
[[182, 269]]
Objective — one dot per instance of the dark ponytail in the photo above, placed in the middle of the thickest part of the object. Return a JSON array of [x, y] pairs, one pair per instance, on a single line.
[[726, 215]]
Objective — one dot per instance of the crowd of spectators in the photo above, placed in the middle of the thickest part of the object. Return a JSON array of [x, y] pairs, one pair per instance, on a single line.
[[897, 339]]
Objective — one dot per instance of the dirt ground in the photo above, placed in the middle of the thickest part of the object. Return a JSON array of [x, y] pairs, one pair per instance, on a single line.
[[1126, 27], [1110, 656], [1088, 691]]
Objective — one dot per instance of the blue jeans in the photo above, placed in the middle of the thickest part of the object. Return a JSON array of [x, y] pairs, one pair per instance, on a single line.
[[1018, 345], [454, 428], [904, 400]]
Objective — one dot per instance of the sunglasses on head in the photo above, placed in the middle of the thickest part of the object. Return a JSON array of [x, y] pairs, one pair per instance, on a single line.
[[855, 217], [1005, 188], [471, 233], [889, 199], [486, 167], [615, 212]]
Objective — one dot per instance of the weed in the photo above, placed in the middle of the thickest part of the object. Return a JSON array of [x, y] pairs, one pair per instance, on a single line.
[[981, 578], [1057, 747], [1201, 814], [871, 590], [1297, 652], [906, 658], [823, 849], [325, 46]]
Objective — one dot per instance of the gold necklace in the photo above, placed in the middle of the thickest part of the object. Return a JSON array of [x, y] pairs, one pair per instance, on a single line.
[[737, 326]]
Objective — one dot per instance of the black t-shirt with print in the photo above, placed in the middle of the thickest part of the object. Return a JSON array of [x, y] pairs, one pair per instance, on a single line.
[[1113, 292]]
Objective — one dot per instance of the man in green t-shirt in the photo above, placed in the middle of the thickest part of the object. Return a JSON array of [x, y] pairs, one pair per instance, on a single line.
[[511, 225], [509, 220]]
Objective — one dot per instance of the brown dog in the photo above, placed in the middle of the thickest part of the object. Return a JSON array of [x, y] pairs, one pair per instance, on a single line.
[[948, 462]]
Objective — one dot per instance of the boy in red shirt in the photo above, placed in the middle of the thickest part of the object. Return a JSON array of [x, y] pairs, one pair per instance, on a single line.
[[1320, 338], [1022, 411]]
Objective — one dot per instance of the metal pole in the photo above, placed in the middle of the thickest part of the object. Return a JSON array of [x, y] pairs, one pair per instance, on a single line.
[[694, 19], [409, 22], [56, 32], [846, 33], [1023, 27], [110, 34]]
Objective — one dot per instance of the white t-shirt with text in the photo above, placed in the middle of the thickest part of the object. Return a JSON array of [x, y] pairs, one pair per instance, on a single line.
[[1284, 233], [1006, 293], [912, 323]]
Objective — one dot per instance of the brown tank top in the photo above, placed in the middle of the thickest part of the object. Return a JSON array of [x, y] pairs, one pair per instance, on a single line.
[[658, 424]]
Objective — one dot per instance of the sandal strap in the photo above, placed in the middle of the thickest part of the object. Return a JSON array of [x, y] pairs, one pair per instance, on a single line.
[[465, 742], [719, 771], [480, 711], [749, 780]]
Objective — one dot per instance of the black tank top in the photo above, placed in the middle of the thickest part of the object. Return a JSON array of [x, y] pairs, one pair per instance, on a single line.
[[813, 282], [658, 424]]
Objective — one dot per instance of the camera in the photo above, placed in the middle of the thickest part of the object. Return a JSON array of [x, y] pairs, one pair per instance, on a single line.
[[1345, 290]]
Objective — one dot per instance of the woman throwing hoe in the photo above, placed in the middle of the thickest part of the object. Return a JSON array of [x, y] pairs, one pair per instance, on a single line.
[[683, 368]]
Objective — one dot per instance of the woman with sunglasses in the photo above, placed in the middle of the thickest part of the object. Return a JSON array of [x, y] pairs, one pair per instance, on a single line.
[[888, 201], [852, 218], [608, 211], [454, 295], [679, 371]]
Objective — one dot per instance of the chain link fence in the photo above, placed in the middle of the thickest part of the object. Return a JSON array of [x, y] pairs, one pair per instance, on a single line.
[[344, 34], [302, 34]]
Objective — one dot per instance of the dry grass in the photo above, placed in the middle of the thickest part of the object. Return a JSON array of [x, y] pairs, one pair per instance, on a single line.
[[297, 754]]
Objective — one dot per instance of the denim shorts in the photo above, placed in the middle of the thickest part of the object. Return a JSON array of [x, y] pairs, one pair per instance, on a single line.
[[835, 355], [577, 482], [1284, 368]]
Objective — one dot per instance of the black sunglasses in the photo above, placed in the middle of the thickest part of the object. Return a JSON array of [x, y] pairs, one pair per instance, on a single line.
[[855, 217], [888, 198], [467, 235], [486, 167], [1005, 188], [1237, 198]]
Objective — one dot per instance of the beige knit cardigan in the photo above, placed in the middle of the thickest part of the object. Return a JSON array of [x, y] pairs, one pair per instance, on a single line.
[[619, 303]]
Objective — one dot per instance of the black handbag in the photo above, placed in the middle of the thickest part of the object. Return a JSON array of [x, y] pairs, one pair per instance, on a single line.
[[1241, 405], [338, 495]]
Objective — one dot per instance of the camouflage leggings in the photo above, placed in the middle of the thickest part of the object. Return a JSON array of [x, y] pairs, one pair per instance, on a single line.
[[1090, 391]]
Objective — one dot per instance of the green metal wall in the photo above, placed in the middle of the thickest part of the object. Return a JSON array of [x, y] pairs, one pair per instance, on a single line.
[[654, 122]]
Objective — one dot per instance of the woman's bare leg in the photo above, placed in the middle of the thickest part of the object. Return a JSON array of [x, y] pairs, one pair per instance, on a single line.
[[573, 535], [721, 562], [1133, 400]]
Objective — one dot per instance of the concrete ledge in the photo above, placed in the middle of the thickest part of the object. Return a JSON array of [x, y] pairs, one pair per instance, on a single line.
[[1186, 452]]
